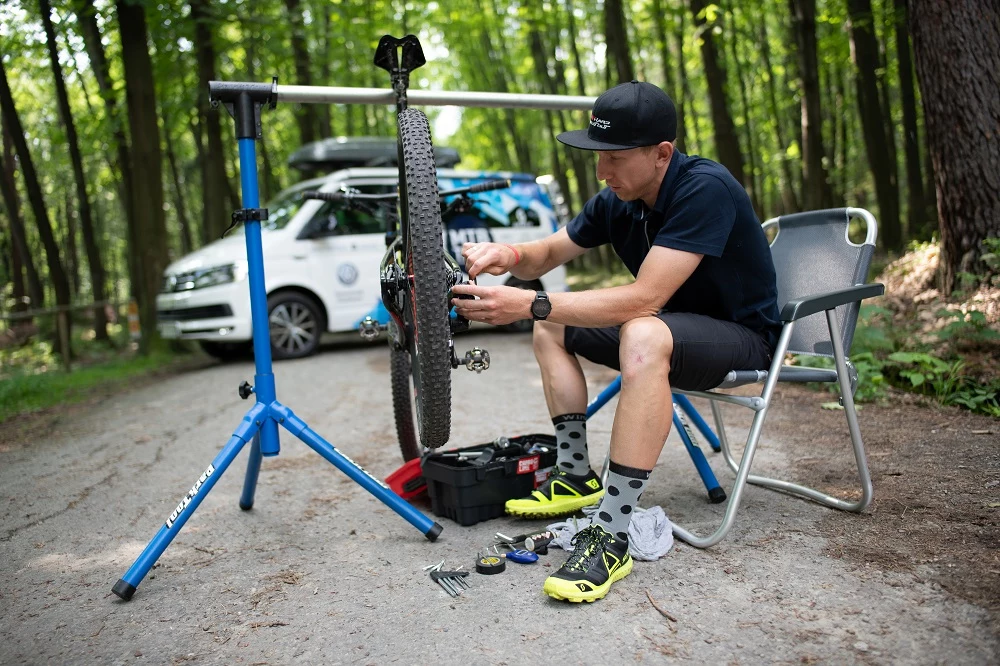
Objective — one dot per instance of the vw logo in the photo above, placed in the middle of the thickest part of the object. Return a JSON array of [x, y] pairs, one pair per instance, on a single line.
[[347, 273]]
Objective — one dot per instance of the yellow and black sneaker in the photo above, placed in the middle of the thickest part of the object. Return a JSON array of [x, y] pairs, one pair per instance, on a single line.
[[598, 560], [560, 495]]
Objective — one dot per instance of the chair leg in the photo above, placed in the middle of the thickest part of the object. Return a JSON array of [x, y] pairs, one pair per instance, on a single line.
[[742, 468]]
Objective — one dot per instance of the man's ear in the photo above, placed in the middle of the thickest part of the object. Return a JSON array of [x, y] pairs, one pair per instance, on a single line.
[[664, 151]]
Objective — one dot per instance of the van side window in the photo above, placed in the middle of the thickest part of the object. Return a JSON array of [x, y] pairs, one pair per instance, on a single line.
[[334, 219]]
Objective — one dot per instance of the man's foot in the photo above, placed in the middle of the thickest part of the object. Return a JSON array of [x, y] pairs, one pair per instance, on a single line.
[[598, 560], [560, 495]]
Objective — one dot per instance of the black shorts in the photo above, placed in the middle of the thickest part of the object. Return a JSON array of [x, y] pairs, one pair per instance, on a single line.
[[705, 349]]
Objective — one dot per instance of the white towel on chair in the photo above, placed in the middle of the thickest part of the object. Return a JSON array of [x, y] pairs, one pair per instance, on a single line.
[[650, 534]]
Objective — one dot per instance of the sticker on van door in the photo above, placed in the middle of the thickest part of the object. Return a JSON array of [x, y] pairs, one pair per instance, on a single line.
[[465, 229]]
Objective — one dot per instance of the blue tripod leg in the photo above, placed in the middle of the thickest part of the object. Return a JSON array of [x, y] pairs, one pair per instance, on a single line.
[[715, 492], [609, 392], [705, 429], [253, 471], [125, 587], [300, 429]]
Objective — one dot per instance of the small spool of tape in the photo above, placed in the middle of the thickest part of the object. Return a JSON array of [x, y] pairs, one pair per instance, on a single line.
[[491, 564]]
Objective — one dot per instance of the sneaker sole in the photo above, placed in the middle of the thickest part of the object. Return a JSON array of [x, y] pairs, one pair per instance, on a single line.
[[532, 509], [565, 590]]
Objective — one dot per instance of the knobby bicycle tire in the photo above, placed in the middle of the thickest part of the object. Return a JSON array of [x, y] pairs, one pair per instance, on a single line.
[[402, 403], [423, 254]]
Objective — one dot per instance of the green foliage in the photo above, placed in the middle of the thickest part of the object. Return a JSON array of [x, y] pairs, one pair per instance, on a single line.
[[887, 355], [25, 392], [968, 326]]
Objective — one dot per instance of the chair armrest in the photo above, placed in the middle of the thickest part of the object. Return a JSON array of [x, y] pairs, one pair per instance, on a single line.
[[803, 307]]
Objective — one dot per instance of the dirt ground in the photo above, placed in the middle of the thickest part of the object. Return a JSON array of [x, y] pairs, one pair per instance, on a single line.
[[319, 572]]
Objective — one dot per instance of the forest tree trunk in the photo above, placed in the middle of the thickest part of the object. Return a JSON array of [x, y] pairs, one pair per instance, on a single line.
[[956, 46]]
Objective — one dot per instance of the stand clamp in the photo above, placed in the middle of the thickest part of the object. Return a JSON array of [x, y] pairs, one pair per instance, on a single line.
[[243, 215]]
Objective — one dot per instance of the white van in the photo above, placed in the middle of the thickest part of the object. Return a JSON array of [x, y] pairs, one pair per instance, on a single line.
[[321, 262]]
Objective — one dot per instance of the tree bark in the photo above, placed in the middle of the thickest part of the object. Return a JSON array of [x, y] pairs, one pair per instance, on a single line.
[[87, 21], [616, 39], [57, 273], [956, 46], [21, 252], [753, 188], [667, 60], [816, 192], [214, 186], [179, 203], [72, 259], [305, 115], [727, 145], [789, 199], [685, 85], [911, 145], [864, 55], [540, 58], [94, 263], [149, 238]]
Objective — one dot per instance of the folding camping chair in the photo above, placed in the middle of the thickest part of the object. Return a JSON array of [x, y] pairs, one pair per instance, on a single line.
[[819, 270]]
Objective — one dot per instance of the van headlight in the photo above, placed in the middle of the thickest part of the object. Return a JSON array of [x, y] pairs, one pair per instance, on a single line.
[[206, 277], [213, 276]]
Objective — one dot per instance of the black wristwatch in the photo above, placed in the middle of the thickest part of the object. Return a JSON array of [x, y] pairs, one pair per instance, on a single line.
[[541, 306]]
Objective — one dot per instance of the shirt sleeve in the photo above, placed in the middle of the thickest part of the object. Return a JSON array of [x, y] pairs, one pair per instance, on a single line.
[[590, 227], [700, 217]]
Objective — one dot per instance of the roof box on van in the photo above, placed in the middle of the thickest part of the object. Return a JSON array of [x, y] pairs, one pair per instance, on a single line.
[[337, 153]]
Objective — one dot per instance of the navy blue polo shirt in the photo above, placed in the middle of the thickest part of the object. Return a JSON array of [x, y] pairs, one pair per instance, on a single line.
[[701, 209]]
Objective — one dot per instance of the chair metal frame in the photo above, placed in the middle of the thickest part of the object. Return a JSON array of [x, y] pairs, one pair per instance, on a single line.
[[844, 374]]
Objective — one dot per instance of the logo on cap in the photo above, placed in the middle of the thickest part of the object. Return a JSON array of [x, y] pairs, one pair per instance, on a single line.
[[599, 123]]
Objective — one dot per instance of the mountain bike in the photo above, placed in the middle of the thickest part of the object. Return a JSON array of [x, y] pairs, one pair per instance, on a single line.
[[416, 273]]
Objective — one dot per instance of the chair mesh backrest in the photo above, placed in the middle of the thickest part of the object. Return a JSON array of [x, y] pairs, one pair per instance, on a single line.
[[812, 255]]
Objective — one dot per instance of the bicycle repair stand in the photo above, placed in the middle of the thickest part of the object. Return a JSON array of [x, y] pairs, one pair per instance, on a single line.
[[681, 406], [245, 102]]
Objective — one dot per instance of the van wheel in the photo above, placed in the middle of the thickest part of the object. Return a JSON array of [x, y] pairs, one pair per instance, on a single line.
[[523, 325], [296, 325], [227, 351]]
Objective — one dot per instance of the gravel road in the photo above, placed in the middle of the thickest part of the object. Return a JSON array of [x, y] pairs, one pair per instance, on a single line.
[[321, 572]]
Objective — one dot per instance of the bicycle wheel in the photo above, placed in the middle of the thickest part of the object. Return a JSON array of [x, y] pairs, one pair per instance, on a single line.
[[402, 403], [423, 255]]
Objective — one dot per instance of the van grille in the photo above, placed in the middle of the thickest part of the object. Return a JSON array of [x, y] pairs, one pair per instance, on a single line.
[[202, 312]]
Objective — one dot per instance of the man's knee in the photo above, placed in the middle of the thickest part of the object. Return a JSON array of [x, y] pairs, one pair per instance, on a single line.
[[547, 335], [645, 342]]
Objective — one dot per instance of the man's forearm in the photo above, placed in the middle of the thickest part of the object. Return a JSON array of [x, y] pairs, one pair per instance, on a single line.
[[535, 261], [603, 307]]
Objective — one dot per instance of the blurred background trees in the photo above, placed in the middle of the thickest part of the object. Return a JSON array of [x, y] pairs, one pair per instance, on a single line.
[[114, 163]]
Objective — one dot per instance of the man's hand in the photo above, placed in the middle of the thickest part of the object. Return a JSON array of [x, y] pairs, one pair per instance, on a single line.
[[492, 258], [493, 305]]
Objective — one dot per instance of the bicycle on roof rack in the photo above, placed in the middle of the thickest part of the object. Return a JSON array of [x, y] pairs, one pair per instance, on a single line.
[[416, 273]]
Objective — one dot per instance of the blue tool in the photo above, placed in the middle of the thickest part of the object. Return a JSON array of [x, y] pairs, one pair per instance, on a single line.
[[522, 556]]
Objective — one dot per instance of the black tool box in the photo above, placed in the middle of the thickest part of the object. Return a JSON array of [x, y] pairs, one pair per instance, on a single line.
[[472, 484]]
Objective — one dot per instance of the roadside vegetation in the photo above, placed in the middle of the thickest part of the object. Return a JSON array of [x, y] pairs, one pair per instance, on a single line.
[[33, 379], [913, 339]]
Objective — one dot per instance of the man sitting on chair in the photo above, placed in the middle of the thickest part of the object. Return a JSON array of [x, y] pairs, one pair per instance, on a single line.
[[704, 302]]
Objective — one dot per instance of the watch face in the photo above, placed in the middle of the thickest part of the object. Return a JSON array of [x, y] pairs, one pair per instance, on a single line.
[[541, 307]]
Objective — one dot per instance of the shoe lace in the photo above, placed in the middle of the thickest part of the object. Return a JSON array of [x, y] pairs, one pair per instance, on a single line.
[[587, 543]]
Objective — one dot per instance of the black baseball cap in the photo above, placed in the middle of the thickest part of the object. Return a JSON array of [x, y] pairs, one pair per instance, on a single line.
[[630, 115]]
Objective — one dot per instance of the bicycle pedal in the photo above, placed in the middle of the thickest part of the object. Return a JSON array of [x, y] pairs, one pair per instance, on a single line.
[[370, 329], [477, 359]]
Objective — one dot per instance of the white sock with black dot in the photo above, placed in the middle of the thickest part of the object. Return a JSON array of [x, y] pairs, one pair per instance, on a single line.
[[621, 495], [571, 443]]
